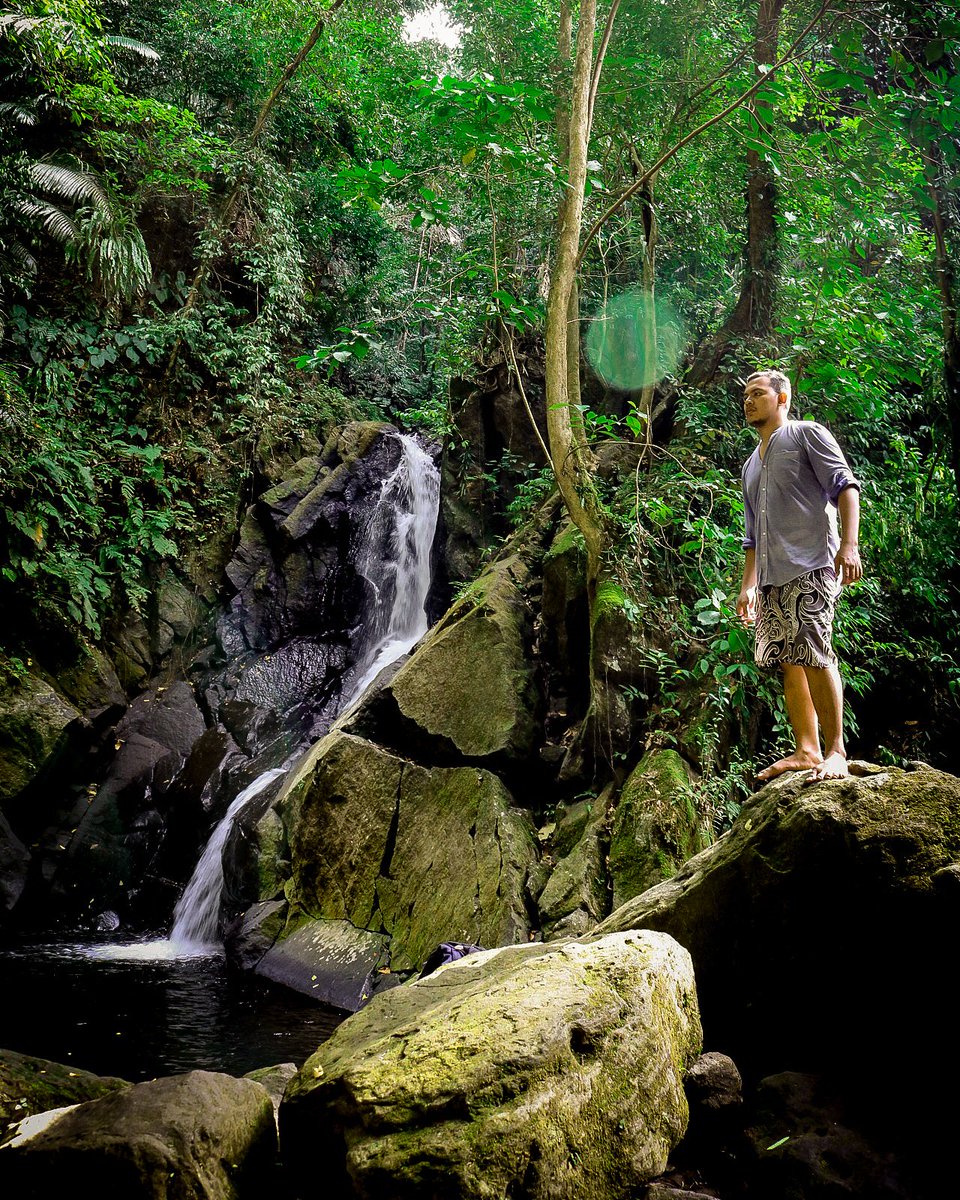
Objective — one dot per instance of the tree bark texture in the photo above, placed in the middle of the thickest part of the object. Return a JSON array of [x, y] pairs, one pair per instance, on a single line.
[[752, 315]]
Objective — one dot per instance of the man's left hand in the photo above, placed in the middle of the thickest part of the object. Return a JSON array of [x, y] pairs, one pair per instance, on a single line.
[[847, 565]]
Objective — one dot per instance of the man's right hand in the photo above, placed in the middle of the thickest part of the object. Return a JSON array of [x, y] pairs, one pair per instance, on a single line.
[[747, 605]]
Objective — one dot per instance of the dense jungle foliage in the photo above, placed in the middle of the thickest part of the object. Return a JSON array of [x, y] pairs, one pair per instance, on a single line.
[[227, 225]]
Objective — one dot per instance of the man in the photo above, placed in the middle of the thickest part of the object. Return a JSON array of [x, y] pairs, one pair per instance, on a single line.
[[794, 484]]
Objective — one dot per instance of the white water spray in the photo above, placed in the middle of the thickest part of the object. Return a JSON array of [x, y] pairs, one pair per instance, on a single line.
[[395, 561], [197, 913]]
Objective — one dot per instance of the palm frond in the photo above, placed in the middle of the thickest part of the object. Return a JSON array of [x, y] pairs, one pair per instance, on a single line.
[[71, 185], [135, 47], [54, 220], [24, 116], [22, 255]]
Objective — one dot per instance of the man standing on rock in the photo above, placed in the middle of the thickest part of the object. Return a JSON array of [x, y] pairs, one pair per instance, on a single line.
[[793, 485]]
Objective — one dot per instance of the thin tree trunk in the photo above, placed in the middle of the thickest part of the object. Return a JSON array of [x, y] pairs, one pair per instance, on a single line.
[[752, 316], [947, 285], [567, 447]]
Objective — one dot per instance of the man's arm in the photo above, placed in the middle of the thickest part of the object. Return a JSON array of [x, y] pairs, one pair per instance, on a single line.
[[747, 600], [847, 562]]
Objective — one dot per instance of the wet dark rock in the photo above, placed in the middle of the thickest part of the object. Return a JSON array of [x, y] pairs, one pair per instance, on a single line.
[[333, 961], [183, 1138], [253, 933], [31, 1085], [292, 566], [15, 861], [811, 1141]]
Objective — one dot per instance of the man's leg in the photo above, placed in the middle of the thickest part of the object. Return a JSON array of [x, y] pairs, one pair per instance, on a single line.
[[826, 691], [802, 711]]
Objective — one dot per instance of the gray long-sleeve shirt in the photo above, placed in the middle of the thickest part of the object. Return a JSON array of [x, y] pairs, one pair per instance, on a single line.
[[790, 501]]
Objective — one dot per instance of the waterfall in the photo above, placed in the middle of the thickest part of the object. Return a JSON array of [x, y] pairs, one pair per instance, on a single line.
[[197, 913], [395, 561], [394, 558]]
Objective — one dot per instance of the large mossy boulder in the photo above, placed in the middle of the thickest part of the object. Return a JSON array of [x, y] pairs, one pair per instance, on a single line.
[[657, 826], [422, 854], [31, 1085], [199, 1136], [538, 1070], [469, 691], [818, 923]]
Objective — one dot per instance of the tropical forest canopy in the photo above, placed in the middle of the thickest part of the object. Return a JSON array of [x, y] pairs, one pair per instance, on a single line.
[[224, 226]]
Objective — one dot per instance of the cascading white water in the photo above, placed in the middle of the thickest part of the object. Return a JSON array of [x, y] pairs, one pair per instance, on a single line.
[[198, 910], [395, 561]]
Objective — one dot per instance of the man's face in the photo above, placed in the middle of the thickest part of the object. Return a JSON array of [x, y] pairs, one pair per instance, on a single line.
[[760, 402]]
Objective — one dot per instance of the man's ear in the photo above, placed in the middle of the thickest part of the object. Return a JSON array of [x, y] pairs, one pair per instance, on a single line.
[[782, 398]]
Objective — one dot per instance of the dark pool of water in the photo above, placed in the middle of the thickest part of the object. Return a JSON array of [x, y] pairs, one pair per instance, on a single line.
[[127, 1010]]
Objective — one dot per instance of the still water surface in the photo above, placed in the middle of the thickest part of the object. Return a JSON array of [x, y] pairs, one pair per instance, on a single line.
[[138, 1011]]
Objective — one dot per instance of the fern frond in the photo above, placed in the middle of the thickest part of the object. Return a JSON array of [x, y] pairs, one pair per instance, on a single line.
[[18, 113], [135, 47], [54, 220], [70, 185], [22, 255]]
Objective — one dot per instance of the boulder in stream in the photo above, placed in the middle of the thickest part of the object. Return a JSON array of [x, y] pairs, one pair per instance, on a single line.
[[31, 1085], [185, 1137], [423, 854], [537, 1070]]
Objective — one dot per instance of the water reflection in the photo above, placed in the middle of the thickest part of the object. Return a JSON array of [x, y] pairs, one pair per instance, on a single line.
[[139, 1010]]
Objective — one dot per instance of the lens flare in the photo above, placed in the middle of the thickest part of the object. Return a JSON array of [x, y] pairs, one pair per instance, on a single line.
[[634, 341]]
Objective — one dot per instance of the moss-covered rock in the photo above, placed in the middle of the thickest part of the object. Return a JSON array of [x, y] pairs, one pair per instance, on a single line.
[[657, 825], [181, 1138], [34, 720], [33, 1085], [424, 855], [818, 923], [533, 1070], [470, 684], [576, 895]]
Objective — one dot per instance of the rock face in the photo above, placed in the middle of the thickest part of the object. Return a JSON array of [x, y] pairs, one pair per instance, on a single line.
[[815, 924], [34, 720], [657, 826], [199, 1136], [423, 855], [33, 1085], [538, 1070], [469, 691]]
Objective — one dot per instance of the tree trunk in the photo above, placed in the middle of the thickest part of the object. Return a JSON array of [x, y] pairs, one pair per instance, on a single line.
[[568, 450], [752, 316], [947, 285]]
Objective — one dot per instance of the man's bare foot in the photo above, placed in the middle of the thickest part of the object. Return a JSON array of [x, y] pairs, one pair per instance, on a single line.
[[834, 766], [800, 760]]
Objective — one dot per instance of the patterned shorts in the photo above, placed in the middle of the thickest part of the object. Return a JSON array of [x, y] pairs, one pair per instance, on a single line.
[[795, 621]]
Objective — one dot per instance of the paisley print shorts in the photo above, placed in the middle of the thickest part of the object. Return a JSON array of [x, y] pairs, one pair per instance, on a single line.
[[795, 621]]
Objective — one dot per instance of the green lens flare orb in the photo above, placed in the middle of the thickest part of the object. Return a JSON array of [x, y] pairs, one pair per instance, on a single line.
[[634, 341]]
